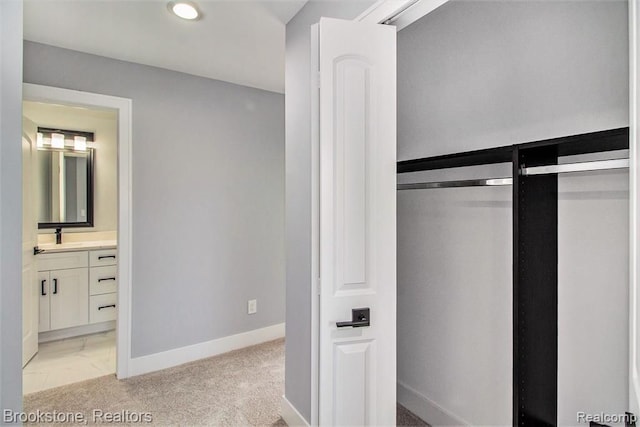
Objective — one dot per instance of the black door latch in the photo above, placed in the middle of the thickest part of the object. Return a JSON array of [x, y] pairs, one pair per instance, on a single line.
[[359, 318]]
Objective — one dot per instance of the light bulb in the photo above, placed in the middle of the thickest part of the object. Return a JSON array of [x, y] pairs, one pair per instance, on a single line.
[[57, 140], [80, 143]]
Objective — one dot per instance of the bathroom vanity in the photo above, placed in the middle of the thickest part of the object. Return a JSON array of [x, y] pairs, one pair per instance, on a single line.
[[77, 274], [77, 284]]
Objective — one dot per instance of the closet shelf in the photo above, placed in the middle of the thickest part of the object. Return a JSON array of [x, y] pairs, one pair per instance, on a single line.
[[469, 158], [594, 142]]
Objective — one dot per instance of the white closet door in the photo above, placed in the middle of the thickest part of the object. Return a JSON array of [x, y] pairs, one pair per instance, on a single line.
[[357, 218]]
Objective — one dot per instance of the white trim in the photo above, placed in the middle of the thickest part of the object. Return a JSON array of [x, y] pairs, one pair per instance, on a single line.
[[290, 414], [425, 408], [402, 12], [190, 353], [123, 106], [315, 224], [634, 383]]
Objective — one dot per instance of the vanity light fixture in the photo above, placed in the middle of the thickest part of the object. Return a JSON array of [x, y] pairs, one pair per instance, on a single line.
[[57, 140], [184, 9], [77, 140]]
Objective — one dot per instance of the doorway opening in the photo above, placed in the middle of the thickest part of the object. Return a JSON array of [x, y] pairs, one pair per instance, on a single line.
[[70, 198], [76, 236], [466, 310]]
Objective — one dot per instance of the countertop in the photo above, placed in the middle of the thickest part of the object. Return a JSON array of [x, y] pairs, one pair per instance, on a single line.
[[50, 248]]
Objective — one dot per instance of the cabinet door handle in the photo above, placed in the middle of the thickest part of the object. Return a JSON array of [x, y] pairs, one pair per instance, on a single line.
[[106, 278], [106, 256], [55, 286], [42, 292], [106, 306]]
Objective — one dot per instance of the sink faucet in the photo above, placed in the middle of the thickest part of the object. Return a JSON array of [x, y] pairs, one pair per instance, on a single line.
[[58, 236]]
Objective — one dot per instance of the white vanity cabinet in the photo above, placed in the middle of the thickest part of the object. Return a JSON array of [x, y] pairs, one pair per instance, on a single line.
[[63, 281], [77, 288]]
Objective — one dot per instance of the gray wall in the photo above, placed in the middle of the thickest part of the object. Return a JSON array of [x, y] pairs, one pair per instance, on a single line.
[[10, 199], [489, 73], [593, 283], [454, 301], [480, 74], [298, 193], [208, 196]]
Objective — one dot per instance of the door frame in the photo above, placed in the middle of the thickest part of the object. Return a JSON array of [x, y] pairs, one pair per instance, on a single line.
[[634, 213], [123, 108], [403, 13]]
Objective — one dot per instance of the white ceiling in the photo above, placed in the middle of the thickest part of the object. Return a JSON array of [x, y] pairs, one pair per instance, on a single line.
[[239, 41]]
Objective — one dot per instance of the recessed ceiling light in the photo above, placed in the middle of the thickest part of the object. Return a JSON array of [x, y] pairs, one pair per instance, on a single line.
[[185, 10]]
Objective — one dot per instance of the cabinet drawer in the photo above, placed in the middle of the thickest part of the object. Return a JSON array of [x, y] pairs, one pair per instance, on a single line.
[[103, 280], [103, 257], [62, 260], [103, 307]]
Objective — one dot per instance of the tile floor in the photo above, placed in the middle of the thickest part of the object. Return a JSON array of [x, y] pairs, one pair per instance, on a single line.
[[71, 360]]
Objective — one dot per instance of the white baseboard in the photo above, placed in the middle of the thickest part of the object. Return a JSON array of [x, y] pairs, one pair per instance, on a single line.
[[179, 356], [60, 334], [290, 414], [432, 413]]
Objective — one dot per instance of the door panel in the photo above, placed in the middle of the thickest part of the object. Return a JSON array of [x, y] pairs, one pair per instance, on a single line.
[[69, 298], [357, 199], [29, 240], [352, 105], [353, 360]]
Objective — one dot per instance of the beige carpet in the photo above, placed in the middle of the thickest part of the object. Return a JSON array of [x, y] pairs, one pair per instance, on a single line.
[[240, 388], [404, 417], [243, 387]]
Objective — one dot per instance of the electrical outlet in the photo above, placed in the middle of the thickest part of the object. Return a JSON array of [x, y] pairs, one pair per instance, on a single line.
[[252, 306]]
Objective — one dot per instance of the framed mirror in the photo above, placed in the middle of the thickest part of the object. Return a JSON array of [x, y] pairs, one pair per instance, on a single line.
[[65, 186]]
